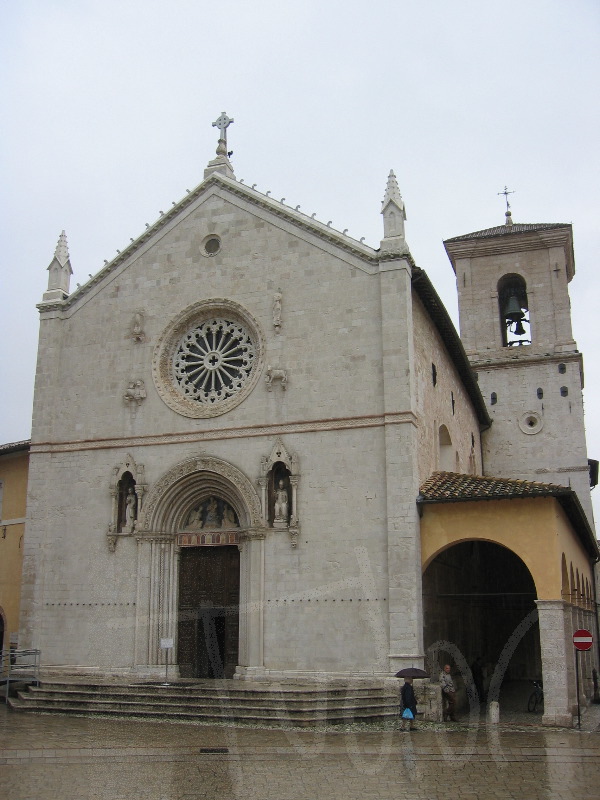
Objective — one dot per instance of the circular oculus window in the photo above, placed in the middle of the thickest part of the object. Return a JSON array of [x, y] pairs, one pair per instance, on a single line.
[[531, 422], [211, 245], [209, 359]]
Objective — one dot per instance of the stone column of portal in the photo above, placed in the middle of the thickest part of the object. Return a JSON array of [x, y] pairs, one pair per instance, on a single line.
[[557, 662], [174, 607], [156, 602], [252, 594], [142, 602]]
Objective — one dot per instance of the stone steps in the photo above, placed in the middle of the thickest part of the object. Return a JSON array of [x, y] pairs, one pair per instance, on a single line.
[[297, 706]]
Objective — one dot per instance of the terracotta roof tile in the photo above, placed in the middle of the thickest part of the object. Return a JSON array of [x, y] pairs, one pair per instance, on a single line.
[[448, 487], [507, 230], [13, 447]]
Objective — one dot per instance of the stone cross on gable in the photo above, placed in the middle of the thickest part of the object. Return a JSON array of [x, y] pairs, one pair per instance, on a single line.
[[222, 123]]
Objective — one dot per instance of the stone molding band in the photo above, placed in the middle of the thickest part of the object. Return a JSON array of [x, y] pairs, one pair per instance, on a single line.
[[313, 426]]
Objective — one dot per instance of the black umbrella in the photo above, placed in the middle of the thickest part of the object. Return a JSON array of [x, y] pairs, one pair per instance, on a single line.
[[412, 672]]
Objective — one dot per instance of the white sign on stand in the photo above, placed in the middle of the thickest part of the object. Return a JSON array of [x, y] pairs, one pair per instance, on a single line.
[[167, 644]]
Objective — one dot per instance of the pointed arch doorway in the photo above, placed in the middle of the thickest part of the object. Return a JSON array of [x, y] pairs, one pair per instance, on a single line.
[[200, 539]]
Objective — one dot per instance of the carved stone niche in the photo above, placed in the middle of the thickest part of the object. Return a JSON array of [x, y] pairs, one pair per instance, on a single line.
[[279, 490], [127, 488]]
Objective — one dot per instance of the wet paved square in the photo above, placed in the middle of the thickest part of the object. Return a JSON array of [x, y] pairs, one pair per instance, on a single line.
[[75, 758]]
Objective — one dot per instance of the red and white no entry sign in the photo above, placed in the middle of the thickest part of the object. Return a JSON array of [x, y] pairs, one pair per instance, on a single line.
[[582, 640]]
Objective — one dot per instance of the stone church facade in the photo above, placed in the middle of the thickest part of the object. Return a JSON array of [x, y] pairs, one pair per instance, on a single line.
[[259, 399]]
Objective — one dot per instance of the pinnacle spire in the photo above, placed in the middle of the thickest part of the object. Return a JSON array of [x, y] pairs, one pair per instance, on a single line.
[[61, 254], [392, 194], [394, 216], [59, 271]]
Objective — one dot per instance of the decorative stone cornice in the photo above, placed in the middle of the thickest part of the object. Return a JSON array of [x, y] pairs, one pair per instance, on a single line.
[[217, 181], [516, 242]]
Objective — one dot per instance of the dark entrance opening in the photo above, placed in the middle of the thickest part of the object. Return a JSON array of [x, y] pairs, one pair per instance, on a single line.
[[475, 595], [209, 596]]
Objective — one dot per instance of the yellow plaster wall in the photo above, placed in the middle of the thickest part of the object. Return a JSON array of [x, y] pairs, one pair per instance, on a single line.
[[13, 474], [535, 529], [575, 554]]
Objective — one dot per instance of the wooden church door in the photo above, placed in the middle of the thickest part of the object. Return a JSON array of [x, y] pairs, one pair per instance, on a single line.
[[209, 596]]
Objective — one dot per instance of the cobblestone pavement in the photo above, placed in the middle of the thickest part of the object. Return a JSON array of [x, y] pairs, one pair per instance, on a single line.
[[76, 758]]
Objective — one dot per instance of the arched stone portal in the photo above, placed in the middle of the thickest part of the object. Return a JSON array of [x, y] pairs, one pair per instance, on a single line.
[[200, 572], [475, 595]]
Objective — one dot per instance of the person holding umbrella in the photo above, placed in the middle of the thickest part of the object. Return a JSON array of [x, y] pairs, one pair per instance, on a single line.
[[408, 705], [408, 700]]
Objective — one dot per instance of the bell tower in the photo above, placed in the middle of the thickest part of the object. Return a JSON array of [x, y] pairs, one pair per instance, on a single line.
[[515, 324]]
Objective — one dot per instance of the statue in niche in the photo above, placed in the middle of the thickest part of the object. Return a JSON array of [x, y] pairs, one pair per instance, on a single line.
[[279, 496], [281, 503], [127, 504], [130, 510]]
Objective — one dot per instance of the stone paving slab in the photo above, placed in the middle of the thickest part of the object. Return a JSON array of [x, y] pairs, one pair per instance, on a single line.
[[76, 758]]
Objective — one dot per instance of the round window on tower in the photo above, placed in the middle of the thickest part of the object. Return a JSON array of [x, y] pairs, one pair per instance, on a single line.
[[531, 422], [209, 359]]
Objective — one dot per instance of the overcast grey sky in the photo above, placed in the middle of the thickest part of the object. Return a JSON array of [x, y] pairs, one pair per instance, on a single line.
[[107, 119]]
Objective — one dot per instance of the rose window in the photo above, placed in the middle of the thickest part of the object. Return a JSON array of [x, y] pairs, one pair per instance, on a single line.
[[214, 361], [208, 359]]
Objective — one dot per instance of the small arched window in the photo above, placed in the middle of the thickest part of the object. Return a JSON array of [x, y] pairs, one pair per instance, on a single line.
[[447, 459], [514, 311]]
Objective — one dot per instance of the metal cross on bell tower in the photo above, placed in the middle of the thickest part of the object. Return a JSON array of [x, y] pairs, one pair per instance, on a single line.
[[508, 213], [222, 123]]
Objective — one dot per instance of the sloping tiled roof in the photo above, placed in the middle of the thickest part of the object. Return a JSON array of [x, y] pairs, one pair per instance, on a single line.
[[450, 487], [14, 447], [507, 230]]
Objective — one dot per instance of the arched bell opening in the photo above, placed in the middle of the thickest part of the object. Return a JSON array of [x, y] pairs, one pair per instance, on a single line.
[[514, 311], [475, 596]]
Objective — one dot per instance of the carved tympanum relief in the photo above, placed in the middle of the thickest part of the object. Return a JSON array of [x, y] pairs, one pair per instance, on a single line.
[[211, 514]]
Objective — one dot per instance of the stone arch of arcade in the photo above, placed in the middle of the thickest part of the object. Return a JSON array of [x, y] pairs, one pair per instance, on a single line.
[[475, 595], [529, 547], [200, 548]]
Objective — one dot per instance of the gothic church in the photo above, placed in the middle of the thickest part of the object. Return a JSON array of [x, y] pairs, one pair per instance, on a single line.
[[287, 465]]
